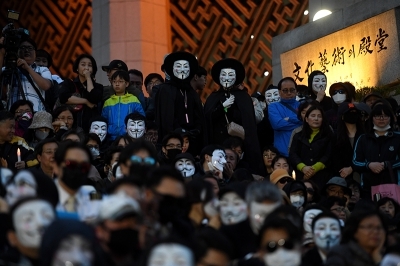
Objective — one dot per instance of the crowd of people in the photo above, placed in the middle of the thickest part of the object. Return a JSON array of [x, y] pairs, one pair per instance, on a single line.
[[96, 174]]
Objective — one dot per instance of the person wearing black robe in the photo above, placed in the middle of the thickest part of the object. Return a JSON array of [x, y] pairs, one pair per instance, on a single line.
[[177, 105], [232, 104]]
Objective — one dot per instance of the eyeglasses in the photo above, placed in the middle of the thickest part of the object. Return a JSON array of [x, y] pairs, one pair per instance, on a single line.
[[140, 160], [26, 48], [272, 246], [384, 117], [286, 91], [338, 91], [173, 146], [69, 118], [284, 180], [371, 228], [338, 209], [118, 81], [83, 166]]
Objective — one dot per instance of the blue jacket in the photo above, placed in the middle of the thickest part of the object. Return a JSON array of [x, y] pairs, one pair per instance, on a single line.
[[277, 113], [116, 108]]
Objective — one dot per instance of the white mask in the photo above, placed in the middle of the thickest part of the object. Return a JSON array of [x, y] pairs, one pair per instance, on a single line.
[[326, 233], [339, 98], [99, 128], [185, 166], [30, 220], [233, 209], [319, 83], [272, 96], [171, 254], [211, 207], [297, 200], [74, 249], [258, 213], [283, 257], [181, 69], [263, 105], [382, 129], [218, 159], [135, 128], [308, 218], [24, 185], [391, 260], [227, 77]]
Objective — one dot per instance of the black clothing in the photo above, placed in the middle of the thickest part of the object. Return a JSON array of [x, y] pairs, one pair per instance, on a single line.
[[349, 254], [94, 96], [312, 258], [265, 132], [240, 112]]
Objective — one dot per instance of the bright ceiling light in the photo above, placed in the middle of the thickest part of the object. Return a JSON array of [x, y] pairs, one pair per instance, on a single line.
[[266, 73], [305, 12], [252, 36], [322, 13]]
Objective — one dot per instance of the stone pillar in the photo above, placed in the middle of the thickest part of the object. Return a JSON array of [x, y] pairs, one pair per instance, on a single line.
[[135, 31]]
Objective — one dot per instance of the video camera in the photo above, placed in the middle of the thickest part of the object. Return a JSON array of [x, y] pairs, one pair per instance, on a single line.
[[12, 40]]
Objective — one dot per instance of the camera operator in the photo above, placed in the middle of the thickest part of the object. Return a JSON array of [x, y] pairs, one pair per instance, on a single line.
[[35, 80]]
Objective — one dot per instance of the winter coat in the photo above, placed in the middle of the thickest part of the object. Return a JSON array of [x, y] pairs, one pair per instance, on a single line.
[[350, 254]]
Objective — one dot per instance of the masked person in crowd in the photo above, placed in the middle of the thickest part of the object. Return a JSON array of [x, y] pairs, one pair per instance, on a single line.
[[297, 193], [177, 105], [171, 147], [70, 241], [309, 213], [265, 131], [23, 113], [212, 158], [135, 126], [82, 94], [261, 198], [93, 143], [185, 164], [28, 219], [280, 178], [283, 114], [327, 234], [40, 128], [111, 158], [15, 153], [231, 104], [317, 82], [340, 93], [117, 229], [233, 208], [99, 125]]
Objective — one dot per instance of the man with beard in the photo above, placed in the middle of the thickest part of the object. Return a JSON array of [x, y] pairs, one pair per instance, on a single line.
[[35, 80], [117, 229], [72, 166]]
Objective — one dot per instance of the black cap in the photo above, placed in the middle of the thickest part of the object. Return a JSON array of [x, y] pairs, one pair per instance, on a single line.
[[116, 64], [228, 63]]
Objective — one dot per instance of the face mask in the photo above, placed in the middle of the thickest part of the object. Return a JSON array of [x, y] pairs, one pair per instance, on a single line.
[[181, 69], [382, 129], [283, 257], [297, 200], [185, 166], [339, 98], [171, 209], [172, 153], [23, 185], [40, 135], [272, 96], [171, 254], [123, 241], [30, 221], [218, 159], [308, 218], [211, 207], [100, 129], [135, 128], [95, 152], [258, 213], [391, 260], [227, 77], [326, 233], [319, 83], [76, 250], [233, 209], [73, 177], [351, 117]]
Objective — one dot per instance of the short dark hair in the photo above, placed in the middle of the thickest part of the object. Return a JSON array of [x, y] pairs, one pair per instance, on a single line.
[[169, 136], [286, 79], [122, 181], [93, 136], [136, 146], [151, 125], [110, 153], [136, 73], [303, 105], [208, 150], [65, 146], [134, 116], [332, 200], [209, 238], [233, 142], [127, 140], [45, 54], [271, 148], [164, 171], [324, 214], [121, 74], [40, 145], [151, 76], [6, 115], [72, 132], [275, 222], [98, 118], [201, 71], [19, 103], [79, 58]]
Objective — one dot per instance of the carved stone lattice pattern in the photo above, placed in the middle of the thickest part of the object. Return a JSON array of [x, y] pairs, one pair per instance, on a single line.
[[61, 27], [216, 29]]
